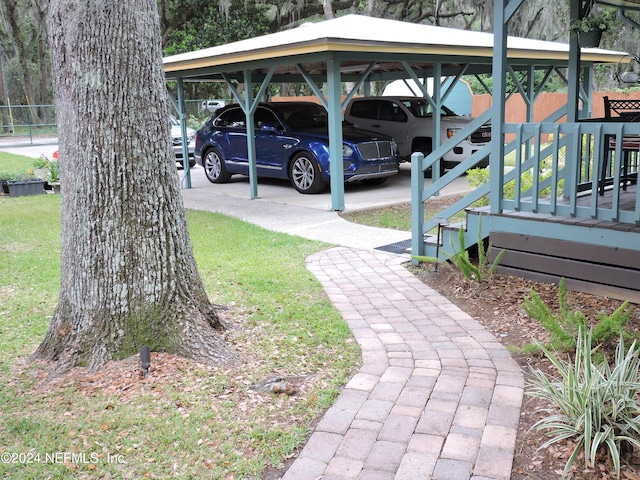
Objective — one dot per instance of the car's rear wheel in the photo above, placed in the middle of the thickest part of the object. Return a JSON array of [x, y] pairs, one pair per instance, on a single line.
[[304, 174], [214, 167]]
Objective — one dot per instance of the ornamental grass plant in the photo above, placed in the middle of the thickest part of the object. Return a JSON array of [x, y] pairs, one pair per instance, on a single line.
[[594, 403]]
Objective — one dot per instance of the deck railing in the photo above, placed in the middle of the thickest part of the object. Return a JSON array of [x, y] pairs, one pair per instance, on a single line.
[[549, 168], [565, 176]]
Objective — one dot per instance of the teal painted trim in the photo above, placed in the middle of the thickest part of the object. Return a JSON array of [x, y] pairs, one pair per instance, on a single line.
[[567, 210], [454, 80], [172, 99], [417, 205], [312, 85], [469, 162], [555, 167], [248, 106], [186, 179], [519, 87], [501, 14], [637, 211], [456, 207], [233, 89], [574, 65], [335, 133], [558, 231], [423, 88], [615, 204], [359, 84], [471, 127], [262, 90], [509, 10], [536, 170], [437, 122]]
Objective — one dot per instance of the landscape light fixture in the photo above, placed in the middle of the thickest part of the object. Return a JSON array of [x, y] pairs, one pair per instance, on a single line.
[[145, 360], [442, 222]]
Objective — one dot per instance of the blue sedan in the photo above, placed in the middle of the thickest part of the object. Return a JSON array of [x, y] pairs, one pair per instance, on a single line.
[[291, 142]]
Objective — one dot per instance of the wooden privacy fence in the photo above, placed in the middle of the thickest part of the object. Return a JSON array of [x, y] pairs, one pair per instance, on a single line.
[[546, 104]]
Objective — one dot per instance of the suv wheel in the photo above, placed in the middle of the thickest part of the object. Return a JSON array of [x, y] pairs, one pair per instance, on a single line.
[[214, 167], [304, 174]]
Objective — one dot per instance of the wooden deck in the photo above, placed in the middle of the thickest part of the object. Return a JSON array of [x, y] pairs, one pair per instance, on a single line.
[[590, 267], [626, 202]]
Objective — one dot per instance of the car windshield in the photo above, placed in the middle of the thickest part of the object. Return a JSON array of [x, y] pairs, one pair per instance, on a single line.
[[422, 108]]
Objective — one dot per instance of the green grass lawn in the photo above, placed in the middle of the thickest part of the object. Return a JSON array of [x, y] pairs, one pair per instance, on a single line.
[[10, 163], [187, 420], [398, 217]]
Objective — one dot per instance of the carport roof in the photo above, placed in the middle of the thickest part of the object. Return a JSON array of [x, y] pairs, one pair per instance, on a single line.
[[360, 38]]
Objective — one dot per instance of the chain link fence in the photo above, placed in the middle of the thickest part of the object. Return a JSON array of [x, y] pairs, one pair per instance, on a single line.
[[31, 123], [27, 121]]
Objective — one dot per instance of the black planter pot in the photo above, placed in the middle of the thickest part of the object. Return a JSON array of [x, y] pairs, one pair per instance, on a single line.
[[590, 39], [22, 188]]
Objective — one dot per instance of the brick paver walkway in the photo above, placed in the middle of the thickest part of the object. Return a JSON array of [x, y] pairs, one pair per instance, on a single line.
[[437, 397]]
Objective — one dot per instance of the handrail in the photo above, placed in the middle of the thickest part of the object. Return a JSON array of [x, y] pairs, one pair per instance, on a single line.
[[546, 179]]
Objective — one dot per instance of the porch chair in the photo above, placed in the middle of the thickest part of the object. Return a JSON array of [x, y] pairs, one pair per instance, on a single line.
[[627, 111]]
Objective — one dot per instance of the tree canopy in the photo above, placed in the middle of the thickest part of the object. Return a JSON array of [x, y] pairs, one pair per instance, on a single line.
[[193, 24]]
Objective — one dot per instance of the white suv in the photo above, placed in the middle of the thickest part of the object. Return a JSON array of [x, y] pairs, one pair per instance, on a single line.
[[409, 120]]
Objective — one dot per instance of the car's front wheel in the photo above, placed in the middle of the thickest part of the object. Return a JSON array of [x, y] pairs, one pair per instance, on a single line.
[[214, 167], [304, 174]]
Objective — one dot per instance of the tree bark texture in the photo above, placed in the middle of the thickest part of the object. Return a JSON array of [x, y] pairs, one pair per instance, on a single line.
[[129, 276]]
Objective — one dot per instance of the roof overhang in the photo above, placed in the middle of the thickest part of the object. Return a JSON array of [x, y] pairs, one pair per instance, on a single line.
[[355, 38]]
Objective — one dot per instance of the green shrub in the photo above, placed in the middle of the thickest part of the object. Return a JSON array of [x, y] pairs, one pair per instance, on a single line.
[[461, 259], [563, 327], [598, 405], [480, 176]]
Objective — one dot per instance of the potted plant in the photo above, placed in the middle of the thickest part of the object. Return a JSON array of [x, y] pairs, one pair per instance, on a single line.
[[41, 167], [5, 178], [54, 176], [16, 185], [48, 170], [590, 27]]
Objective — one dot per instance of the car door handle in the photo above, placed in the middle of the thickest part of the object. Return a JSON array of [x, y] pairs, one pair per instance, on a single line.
[[375, 125]]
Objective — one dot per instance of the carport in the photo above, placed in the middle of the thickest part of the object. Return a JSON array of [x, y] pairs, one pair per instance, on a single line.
[[354, 50]]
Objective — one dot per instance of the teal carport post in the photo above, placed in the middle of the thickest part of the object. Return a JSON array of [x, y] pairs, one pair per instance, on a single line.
[[183, 129], [335, 133], [249, 106]]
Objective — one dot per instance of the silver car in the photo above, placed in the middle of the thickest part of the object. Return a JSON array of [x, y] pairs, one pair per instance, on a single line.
[[176, 140]]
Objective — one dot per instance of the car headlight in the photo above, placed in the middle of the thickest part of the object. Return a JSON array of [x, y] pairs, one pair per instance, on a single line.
[[347, 151], [394, 147], [452, 131]]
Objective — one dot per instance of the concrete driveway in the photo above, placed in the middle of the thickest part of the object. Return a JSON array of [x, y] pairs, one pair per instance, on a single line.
[[357, 196]]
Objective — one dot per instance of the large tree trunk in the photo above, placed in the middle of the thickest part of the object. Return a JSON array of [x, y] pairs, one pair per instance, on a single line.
[[128, 276]]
